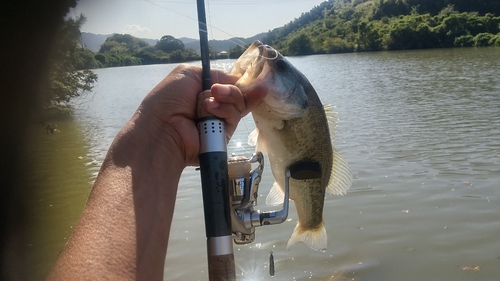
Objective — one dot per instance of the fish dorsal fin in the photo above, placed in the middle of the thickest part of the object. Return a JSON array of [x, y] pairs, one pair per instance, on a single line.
[[331, 117], [340, 177], [254, 139], [275, 196]]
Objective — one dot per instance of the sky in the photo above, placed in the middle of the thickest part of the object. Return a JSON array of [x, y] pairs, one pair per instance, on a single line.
[[155, 18]]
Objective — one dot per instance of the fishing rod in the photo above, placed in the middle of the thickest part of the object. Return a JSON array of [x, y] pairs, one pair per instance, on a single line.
[[230, 185], [214, 173]]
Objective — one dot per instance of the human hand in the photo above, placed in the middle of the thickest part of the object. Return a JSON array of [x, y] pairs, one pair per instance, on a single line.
[[171, 108], [123, 233]]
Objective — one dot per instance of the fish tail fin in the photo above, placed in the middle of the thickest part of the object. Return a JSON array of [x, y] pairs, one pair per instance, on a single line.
[[316, 238]]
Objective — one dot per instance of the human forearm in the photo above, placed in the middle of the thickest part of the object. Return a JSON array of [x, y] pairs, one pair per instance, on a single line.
[[123, 233]]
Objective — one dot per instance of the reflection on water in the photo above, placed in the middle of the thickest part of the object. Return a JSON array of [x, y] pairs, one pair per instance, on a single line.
[[420, 130]]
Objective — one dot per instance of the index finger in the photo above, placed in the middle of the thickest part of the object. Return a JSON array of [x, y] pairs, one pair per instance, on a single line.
[[221, 77]]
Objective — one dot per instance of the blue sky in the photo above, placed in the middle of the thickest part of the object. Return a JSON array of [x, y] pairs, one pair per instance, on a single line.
[[155, 18]]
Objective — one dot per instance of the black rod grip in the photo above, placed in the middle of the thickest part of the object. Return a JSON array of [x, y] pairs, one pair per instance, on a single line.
[[214, 181]]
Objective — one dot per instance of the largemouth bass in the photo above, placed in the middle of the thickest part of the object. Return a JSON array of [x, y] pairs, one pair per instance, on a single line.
[[292, 126]]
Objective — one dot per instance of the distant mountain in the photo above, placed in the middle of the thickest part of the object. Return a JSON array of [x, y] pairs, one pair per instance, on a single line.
[[223, 45], [94, 41], [186, 40]]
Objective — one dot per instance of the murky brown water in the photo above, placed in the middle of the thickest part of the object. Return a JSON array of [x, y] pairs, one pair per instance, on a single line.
[[62, 181], [420, 130]]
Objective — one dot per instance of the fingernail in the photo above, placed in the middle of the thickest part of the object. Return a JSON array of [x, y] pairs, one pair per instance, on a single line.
[[222, 89], [212, 103]]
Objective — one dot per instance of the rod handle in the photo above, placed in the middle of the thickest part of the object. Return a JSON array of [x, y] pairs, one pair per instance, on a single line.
[[221, 268], [200, 110]]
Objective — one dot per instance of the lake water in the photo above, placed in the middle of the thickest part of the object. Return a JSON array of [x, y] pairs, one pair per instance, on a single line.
[[420, 131]]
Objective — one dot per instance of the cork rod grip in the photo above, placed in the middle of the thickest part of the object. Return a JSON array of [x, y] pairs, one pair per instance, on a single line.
[[200, 110], [221, 268]]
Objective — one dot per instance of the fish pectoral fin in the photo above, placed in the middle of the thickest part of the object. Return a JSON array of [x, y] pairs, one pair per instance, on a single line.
[[315, 238], [275, 196], [254, 139], [340, 177]]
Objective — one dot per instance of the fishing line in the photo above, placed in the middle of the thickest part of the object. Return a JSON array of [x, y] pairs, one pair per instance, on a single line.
[[209, 24], [240, 43], [235, 143]]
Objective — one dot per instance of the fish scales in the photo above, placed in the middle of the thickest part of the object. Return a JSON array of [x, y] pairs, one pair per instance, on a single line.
[[292, 127], [308, 139]]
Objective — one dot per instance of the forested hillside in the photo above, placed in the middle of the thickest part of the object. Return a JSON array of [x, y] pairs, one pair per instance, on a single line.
[[332, 27], [361, 25], [337, 26]]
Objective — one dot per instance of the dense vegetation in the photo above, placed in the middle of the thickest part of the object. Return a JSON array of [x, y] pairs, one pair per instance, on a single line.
[[125, 49], [69, 76], [334, 26], [361, 25], [337, 26]]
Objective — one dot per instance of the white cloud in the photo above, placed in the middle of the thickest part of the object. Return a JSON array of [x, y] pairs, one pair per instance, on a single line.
[[136, 30]]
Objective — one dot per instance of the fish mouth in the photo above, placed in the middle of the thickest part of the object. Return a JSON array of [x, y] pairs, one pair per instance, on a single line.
[[261, 63], [252, 62], [267, 52]]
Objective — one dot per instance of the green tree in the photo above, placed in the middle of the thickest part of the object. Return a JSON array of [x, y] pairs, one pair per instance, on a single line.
[[177, 56], [169, 44], [122, 43], [412, 32], [84, 59], [236, 52], [336, 45], [65, 81], [300, 45], [464, 41], [495, 40], [369, 37], [482, 39]]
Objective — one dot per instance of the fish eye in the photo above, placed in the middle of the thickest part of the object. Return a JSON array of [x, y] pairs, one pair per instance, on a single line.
[[281, 65]]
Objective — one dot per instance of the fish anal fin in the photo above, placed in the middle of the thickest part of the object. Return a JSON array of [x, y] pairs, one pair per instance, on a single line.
[[316, 238], [275, 196]]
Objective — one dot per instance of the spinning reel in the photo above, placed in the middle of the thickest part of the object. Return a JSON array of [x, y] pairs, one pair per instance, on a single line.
[[244, 191]]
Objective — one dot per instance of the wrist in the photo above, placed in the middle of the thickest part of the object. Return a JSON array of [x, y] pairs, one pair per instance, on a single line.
[[146, 145]]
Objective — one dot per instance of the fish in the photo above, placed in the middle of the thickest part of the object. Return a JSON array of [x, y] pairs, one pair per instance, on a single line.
[[293, 126]]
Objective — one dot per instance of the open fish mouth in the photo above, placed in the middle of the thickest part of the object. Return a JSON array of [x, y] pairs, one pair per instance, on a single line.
[[251, 62], [261, 63], [267, 52]]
